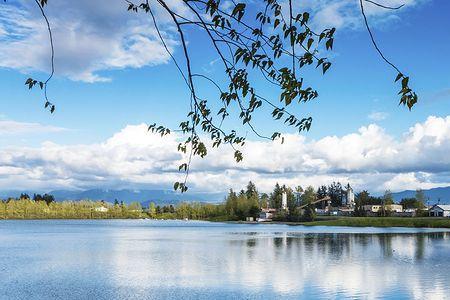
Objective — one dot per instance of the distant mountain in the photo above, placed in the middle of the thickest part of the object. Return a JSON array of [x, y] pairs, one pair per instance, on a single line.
[[166, 197], [432, 195], [160, 197]]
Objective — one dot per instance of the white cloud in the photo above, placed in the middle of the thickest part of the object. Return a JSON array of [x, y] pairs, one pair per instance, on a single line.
[[9, 127], [2, 31], [411, 181], [347, 13], [95, 36], [368, 159], [378, 116], [89, 36]]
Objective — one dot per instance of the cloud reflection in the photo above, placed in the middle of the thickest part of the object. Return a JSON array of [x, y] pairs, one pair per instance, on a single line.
[[285, 264]]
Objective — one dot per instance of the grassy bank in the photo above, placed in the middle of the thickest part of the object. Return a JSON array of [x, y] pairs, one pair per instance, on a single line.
[[381, 222]]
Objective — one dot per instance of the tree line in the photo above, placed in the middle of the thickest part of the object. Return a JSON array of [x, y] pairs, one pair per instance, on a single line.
[[44, 207], [247, 202], [237, 206]]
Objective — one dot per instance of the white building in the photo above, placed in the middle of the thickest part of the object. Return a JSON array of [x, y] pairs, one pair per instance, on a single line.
[[439, 210], [266, 215], [101, 209], [284, 201], [394, 208], [397, 208], [349, 197]]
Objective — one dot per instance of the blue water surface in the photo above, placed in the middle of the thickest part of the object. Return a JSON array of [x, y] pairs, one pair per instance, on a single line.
[[144, 259]]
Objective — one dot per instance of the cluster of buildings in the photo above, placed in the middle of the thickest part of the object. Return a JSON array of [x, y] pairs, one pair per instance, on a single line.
[[348, 208], [267, 213]]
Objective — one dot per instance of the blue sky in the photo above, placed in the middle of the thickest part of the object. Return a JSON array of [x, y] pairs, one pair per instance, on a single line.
[[108, 79]]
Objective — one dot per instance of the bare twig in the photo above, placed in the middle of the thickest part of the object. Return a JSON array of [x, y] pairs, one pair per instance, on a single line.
[[384, 6], [372, 38], [52, 61]]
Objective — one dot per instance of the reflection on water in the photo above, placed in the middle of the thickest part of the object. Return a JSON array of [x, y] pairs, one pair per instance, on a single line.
[[147, 260]]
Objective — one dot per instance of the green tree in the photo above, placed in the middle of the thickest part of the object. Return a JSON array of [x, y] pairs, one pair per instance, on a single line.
[[361, 199], [231, 204], [412, 203], [3, 210], [276, 197], [264, 200], [24, 196], [322, 192], [152, 210], [251, 190], [309, 196], [136, 206], [291, 199], [336, 193], [309, 214]]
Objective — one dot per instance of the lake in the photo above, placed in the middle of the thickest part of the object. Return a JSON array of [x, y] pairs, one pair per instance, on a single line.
[[144, 259]]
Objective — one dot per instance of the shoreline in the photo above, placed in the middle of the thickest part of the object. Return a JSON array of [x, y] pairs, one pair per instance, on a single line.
[[412, 222]]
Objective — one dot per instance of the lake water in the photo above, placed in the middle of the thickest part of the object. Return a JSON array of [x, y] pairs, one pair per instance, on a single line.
[[143, 259]]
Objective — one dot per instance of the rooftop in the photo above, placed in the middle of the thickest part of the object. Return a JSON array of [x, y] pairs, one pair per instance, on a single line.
[[442, 206]]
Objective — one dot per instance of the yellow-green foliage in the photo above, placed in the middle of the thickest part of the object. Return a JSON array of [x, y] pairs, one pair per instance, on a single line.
[[192, 211], [29, 209]]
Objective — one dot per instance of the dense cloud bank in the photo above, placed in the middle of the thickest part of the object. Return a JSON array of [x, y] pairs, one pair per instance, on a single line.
[[370, 158]]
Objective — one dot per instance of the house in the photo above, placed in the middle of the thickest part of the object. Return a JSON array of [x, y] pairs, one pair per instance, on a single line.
[[346, 211], [322, 212], [101, 209], [394, 208], [266, 214], [397, 208], [372, 208], [409, 212], [336, 211], [439, 210]]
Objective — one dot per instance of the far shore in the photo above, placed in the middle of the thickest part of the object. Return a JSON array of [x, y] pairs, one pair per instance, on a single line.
[[418, 222], [413, 222]]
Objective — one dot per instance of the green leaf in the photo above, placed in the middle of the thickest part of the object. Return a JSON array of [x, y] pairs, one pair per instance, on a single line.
[[238, 11], [329, 44], [405, 81], [325, 67], [310, 42], [276, 23], [305, 17], [238, 155]]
